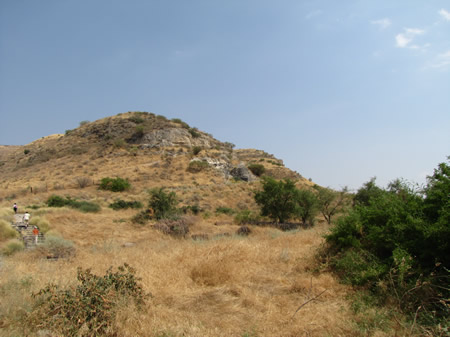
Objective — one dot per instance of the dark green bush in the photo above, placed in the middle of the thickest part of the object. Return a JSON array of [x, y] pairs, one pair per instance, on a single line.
[[257, 169], [91, 305], [114, 184], [56, 201], [26, 151], [224, 210], [395, 242], [194, 132], [194, 209], [83, 206], [196, 150], [122, 204]]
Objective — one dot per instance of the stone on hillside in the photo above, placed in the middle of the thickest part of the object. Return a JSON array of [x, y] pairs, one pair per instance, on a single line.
[[241, 172]]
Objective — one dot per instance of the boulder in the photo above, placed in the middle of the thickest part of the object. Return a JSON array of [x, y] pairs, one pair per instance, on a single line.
[[241, 172]]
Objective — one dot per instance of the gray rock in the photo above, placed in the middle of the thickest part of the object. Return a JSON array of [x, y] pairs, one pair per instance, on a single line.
[[175, 137], [241, 172]]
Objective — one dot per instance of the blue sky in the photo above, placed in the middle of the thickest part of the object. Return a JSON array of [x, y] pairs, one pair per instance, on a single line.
[[340, 90]]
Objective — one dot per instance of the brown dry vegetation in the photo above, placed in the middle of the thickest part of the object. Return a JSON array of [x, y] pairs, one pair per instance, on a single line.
[[223, 286]]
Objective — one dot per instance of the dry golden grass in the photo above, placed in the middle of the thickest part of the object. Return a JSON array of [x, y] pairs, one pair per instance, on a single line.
[[221, 287]]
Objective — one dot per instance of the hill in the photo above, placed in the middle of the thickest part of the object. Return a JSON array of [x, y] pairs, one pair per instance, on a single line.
[[148, 150], [211, 282]]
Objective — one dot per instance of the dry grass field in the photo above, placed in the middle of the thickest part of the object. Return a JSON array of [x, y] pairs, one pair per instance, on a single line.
[[227, 285]]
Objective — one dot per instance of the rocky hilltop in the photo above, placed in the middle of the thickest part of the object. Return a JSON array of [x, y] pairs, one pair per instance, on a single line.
[[147, 149]]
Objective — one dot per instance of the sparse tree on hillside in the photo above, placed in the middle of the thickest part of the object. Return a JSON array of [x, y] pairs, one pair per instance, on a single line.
[[307, 206], [278, 199], [330, 201], [163, 204]]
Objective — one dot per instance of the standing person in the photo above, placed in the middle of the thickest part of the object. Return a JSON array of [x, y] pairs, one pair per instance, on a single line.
[[15, 208], [26, 218], [36, 234]]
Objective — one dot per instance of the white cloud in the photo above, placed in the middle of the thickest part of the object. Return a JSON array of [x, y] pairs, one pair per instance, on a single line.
[[445, 14], [442, 61], [382, 23], [403, 40]]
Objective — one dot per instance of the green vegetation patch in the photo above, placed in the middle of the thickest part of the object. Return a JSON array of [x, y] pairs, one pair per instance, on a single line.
[[83, 206], [224, 210], [114, 184], [395, 242], [257, 169], [122, 204]]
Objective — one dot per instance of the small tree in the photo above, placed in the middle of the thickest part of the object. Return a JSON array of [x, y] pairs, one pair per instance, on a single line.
[[163, 204], [277, 199], [330, 202], [307, 206]]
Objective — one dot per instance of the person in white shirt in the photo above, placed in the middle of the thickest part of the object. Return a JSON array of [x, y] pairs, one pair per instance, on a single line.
[[26, 218]]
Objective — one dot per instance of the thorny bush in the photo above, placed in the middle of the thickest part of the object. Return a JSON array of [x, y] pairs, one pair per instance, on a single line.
[[88, 309]]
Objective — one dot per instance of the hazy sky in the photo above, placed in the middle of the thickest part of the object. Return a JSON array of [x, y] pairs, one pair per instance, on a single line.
[[340, 90]]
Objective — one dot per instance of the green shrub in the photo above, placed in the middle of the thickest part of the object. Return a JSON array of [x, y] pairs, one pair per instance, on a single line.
[[26, 151], [161, 118], [196, 150], [13, 246], [90, 307], [196, 166], [84, 206], [359, 268], [136, 119], [163, 204], [194, 132], [224, 210], [84, 123], [56, 201], [257, 169], [114, 184], [6, 231], [179, 121], [395, 242], [194, 209], [122, 204], [139, 131]]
